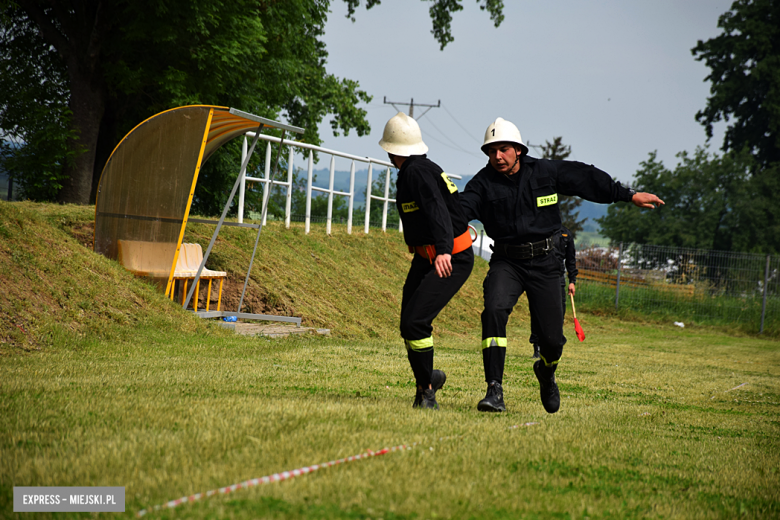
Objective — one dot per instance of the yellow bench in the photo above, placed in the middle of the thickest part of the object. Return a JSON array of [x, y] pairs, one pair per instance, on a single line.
[[153, 259]]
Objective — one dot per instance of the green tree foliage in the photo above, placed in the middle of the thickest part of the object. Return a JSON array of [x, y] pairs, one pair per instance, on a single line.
[[123, 62], [440, 12], [568, 205], [33, 121], [745, 75], [710, 204], [724, 203], [114, 64]]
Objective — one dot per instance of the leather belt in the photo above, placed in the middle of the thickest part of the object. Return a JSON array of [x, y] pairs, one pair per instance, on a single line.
[[461, 243], [524, 251]]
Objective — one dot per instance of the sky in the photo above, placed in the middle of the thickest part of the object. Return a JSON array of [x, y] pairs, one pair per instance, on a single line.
[[615, 79]]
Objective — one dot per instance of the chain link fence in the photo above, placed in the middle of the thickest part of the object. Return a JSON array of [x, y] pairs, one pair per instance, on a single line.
[[685, 285]]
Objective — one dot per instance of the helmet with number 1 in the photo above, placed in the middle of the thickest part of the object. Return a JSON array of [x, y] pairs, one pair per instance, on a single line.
[[503, 131], [402, 137]]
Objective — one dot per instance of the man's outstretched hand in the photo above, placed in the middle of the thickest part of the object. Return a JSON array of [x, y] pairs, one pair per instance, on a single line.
[[646, 200]]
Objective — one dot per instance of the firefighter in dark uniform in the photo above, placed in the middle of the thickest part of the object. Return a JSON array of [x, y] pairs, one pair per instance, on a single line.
[[436, 231], [567, 254], [516, 199]]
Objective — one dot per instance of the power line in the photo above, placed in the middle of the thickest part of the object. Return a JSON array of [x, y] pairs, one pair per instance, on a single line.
[[458, 122], [411, 106], [458, 147], [429, 136]]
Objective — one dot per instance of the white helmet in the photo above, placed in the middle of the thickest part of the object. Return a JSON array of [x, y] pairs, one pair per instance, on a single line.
[[503, 131], [402, 137]]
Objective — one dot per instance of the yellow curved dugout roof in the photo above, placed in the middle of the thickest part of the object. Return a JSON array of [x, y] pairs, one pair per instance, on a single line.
[[147, 184]]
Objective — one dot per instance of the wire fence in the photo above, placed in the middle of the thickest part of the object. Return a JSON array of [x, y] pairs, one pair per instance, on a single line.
[[693, 285]]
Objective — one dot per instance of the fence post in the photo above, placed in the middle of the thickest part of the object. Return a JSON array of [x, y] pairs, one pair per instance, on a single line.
[[288, 199], [351, 196], [617, 283], [329, 218], [308, 192], [763, 305], [387, 196], [242, 186], [368, 195], [481, 238], [267, 185]]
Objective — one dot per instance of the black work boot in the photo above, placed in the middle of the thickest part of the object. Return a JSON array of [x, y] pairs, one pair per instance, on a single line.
[[494, 399], [429, 399], [536, 351], [548, 389], [438, 378]]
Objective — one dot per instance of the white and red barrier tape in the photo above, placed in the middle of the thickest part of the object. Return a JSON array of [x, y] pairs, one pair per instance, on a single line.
[[276, 477], [285, 475]]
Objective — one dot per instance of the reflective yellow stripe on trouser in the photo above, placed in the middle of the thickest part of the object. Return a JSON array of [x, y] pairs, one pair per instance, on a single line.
[[546, 363], [493, 342], [419, 344]]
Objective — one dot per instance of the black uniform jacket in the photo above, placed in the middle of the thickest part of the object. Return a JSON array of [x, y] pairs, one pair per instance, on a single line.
[[428, 203], [523, 207], [569, 255]]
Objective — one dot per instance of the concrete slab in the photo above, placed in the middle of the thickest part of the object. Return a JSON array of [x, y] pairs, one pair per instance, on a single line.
[[275, 330]]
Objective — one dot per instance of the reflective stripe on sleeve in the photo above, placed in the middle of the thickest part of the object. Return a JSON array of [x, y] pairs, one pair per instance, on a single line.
[[493, 342], [419, 344]]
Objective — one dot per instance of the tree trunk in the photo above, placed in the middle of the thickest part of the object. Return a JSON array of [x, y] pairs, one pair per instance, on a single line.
[[107, 141], [87, 103], [76, 29]]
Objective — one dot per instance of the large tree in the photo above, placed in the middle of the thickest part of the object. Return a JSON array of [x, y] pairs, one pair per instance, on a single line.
[[710, 200], [568, 205], [728, 202], [117, 63], [745, 75]]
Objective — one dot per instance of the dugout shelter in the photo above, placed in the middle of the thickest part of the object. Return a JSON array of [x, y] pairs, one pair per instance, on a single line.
[[147, 185]]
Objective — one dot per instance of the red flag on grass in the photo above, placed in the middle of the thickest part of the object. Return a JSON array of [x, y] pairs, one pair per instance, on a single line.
[[577, 328]]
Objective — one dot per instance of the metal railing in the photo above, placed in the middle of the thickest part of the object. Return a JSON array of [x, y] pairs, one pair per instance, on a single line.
[[310, 188]]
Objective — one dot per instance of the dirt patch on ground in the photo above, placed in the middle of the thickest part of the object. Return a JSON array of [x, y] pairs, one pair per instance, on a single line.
[[256, 300], [84, 234]]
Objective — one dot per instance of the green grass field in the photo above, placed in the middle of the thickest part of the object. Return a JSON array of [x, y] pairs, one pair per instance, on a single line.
[[114, 386]]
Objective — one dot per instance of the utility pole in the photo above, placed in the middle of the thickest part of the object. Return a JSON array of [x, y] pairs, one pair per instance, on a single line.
[[411, 106]]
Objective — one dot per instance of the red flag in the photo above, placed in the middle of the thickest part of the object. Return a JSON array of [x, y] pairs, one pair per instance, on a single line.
[[578, 330]]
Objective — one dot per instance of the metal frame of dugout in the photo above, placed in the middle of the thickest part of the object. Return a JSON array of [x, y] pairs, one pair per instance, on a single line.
[[146, 189]]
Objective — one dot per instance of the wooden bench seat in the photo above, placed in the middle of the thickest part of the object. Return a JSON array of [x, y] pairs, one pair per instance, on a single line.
[[152, 259]]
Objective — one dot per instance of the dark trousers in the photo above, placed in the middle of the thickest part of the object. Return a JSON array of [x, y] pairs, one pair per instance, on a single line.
[[424, 296], [533, 339], [507, 279]]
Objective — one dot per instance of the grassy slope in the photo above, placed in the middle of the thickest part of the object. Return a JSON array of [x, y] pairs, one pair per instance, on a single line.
[[128, 390], [57, 289], [57, 292]]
